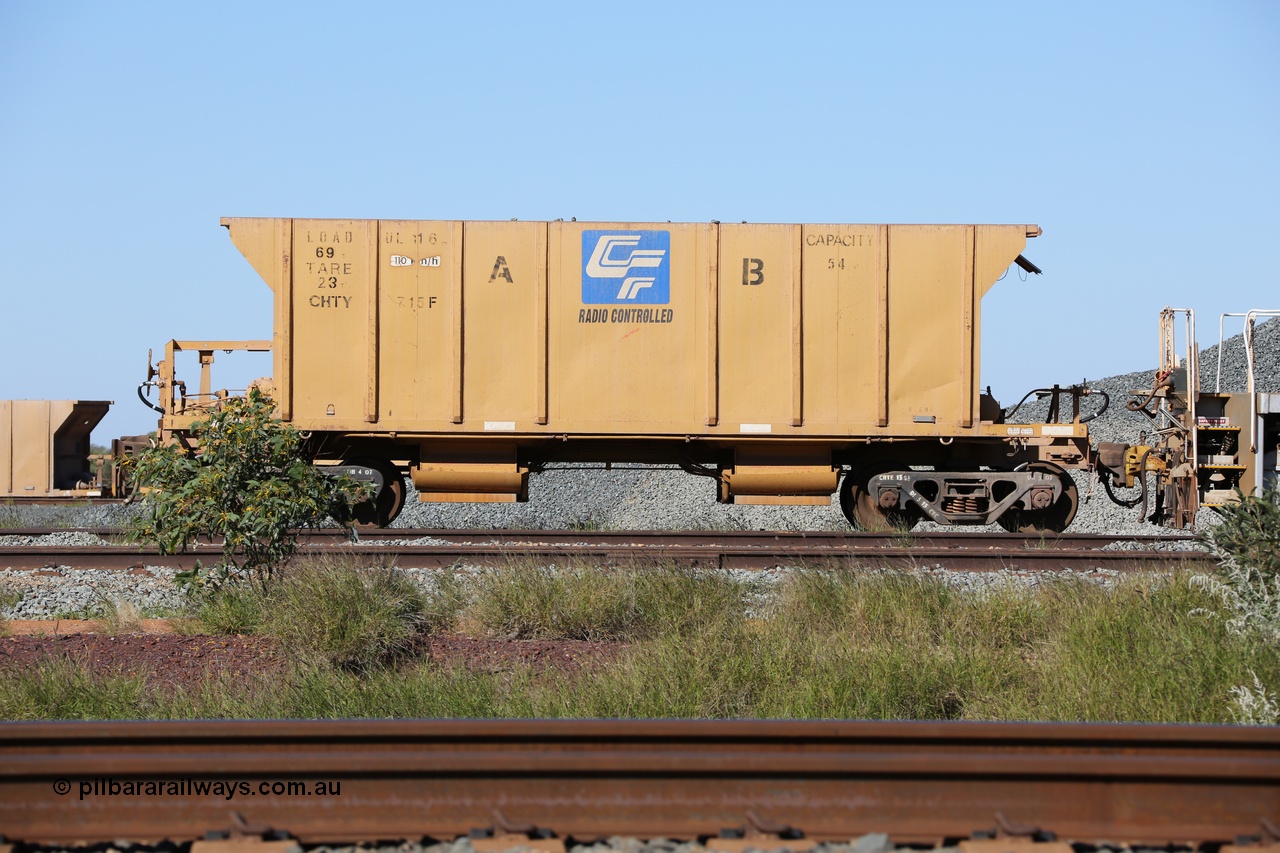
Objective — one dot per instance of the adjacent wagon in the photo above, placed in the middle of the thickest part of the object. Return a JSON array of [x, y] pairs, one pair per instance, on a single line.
[[45, 453]]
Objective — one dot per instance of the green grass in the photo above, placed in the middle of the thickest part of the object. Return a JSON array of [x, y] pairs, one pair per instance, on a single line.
[[582, 602], [233, 609], [876, 645], [330, 611], [589, 523], [59, 689], [354, 619], [9, 595]]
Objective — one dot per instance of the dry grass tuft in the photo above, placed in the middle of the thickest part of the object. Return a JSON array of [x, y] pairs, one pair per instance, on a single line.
[[120, 616]]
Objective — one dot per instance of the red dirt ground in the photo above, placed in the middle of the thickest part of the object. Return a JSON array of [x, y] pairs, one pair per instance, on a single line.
[[189, 661]]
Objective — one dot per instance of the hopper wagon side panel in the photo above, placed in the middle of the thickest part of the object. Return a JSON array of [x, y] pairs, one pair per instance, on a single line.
[[414, 314], [844, 331], [930, 327], [29, 468], [758, 340], [628, 347], [504, 293]]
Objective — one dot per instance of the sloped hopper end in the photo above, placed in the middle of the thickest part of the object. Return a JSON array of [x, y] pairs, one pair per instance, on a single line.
[[266, 244], [71, 441]]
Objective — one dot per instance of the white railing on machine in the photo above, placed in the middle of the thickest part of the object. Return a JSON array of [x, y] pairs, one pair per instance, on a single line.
[[1250, 318]]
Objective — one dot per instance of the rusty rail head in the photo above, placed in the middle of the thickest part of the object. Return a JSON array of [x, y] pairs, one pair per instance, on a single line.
[[707, 549], [684, 779]]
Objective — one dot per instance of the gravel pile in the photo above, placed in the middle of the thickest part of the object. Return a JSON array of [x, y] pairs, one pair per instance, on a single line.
[[629, 498], [620, 499]]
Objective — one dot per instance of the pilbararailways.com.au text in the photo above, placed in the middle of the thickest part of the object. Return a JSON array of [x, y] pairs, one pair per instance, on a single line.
[[227, 789]]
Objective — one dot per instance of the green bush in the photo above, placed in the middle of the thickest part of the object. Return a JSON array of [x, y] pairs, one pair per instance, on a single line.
[[1247, 584], [1248, 532], [248, 483], [1247, 544]]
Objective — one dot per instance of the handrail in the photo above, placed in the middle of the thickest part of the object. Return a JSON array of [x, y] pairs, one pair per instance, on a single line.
[[1250, 318], [1248, 354], [1193, 367]]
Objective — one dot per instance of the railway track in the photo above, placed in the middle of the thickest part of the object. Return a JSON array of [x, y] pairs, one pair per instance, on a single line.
[[705, 549], [926, 782]]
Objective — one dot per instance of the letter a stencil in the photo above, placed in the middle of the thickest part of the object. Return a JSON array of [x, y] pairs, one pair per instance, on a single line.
[[501, 270]]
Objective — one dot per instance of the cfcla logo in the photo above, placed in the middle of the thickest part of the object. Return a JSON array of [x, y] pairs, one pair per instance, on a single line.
[[614, 255]]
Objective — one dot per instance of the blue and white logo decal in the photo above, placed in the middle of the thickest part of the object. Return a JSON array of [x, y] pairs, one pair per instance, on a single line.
[[626, 267]]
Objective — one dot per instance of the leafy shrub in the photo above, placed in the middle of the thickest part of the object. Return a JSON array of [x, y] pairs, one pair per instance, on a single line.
[[249, 483], [1249, 532], [1247, 544]]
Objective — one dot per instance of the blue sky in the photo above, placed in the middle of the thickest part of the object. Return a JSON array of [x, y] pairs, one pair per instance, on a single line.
[[1143, 138]]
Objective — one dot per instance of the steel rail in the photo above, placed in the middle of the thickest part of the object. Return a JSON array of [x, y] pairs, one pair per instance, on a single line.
[[925, 781], [723, 556]]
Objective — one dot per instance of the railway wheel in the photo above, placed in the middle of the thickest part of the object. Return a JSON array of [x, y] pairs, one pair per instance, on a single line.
[[864, 511], [1051, 519], [385, 505]]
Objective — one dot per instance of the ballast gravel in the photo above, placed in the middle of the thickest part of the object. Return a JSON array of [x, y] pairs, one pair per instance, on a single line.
[[58, 539], [88, 593], [75, 593]]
